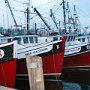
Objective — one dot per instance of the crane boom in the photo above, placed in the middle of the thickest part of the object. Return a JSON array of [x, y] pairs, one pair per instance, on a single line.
[[42, 18], [6, 1], [53, 18]]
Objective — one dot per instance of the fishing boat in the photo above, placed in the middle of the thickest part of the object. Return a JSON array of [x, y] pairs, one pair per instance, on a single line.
[[8, 59], [52, 52], [77, 65]]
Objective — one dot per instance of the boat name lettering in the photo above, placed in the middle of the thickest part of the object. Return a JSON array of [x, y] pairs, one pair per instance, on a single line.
[[73, 49], [36, 51]]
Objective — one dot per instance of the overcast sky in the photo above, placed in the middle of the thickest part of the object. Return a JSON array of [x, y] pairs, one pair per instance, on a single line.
[[43, 6]]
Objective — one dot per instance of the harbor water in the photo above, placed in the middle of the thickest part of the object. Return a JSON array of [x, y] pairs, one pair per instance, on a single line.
[[51, 84]]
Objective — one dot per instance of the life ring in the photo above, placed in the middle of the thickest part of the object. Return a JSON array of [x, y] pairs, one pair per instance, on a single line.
[[88, 47]]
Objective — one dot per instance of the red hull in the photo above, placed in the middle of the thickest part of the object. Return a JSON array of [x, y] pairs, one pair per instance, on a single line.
[[77, 68], [52, 64], [8, 73], [77, 60]]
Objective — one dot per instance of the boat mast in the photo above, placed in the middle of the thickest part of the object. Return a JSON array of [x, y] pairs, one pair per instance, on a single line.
[[28, 16], [75, 17], [64, 15]]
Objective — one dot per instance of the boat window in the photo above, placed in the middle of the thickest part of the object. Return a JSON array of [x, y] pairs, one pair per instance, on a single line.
[[25, 39], [71, 38], [83, 39], [4, 41], [45, 40], [68, 38], [74, 38], [31, 39], [89, 39], [9, 40], [19, 40], [60, 38], [36, 40], [55, 38]]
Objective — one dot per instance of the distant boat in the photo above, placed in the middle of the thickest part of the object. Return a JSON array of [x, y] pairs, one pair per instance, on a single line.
[[8, 58]]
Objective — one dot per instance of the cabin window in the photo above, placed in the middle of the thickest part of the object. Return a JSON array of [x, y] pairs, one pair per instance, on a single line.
[[4, 41], [45, 40], [60, 38], [25, 39], [68, 38], [31, 39], [55, 38], [88, 39], [71, 38], [36, 40], [19, 40], [74, 38], [9, 40], [83, 40]]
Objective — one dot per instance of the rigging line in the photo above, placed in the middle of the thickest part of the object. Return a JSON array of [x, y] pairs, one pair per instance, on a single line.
[[18, 11], [84, 13], [56, 10], [45, 4], [15, 15], [19, 2], [18, 6], [19, 16], [56, 4]]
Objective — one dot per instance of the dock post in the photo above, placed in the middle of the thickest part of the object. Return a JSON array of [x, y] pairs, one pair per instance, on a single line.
[[35, 72]]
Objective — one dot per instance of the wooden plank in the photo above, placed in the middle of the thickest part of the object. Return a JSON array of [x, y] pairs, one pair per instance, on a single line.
[[35, 72], [6, 88]]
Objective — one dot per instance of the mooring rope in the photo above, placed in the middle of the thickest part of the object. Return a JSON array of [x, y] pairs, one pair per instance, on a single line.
[[55, 68]]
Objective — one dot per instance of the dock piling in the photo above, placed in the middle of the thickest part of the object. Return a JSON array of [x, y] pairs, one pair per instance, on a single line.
[[35, 72]]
